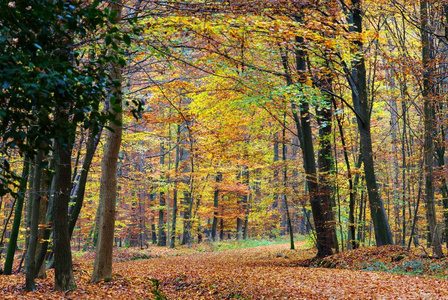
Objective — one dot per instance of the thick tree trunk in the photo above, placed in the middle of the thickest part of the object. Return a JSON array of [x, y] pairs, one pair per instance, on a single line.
[[102, 268], [324, 234], [324, 159], [63, 265], [108, 195], [319, 208], [108, 192]]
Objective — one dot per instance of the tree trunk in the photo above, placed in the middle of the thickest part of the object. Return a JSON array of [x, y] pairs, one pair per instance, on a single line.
[[186, 237], [429, 117], [162, 233], [64, 279], [152, 197], [324, 159], [361, 105], [285, 184], [108, 195], [102, 268], [108, 191], [244, 201], [12, 245], [216, 206], [30, 260], [92, 144], [324, 233], [43, 231]]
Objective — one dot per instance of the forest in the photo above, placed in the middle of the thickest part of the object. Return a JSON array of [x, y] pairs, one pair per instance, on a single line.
[[155, 149]]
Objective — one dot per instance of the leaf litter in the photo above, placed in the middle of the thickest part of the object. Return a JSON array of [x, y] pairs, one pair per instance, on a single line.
[[267, 272]]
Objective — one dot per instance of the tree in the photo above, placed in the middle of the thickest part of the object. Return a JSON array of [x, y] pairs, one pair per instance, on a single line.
[[429, 119], [108, 189], [362, 108]]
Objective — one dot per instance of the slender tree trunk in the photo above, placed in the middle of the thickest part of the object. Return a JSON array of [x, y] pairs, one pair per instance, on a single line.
[[244, 201], [352, 243], [361, 225], [404, 166], [216, 206], [186, 238], [285, 178], [33, 240], [361, 104], [221, 226], [429, 116], [152, 197], [162, 233], [173, 225], [43, 210], [12, 245], [175, 192], [48, 228], [92, 144], [276, 181]]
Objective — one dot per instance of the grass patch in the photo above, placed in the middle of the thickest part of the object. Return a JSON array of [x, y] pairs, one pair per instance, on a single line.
[[252, 243]]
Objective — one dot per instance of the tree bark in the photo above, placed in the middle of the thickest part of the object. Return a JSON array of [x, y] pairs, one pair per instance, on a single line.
[[108, 191], [324, 235], [162, 233], [63, 265], [30, 260], [361, 105], [12, 245], [216, 207], [92, 144], [102, 268], [429, 117]]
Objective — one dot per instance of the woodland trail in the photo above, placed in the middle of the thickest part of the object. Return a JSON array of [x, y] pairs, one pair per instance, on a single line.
[[257, 273]]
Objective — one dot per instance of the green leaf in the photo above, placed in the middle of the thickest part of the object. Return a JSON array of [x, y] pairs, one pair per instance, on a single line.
[[127, 39]]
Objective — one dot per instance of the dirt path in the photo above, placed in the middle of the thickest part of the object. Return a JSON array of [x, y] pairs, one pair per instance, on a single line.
[[258, 273]]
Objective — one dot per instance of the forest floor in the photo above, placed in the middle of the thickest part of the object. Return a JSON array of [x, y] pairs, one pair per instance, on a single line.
[[266, 272]]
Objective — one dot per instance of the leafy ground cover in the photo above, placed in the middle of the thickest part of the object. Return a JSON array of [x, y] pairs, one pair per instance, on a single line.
[[266, 272], [393, 259]]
